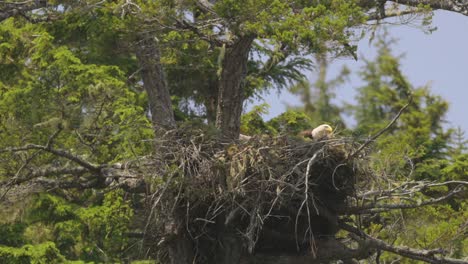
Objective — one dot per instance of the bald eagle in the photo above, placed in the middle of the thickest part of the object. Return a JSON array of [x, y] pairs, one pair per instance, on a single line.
[[319, 133]]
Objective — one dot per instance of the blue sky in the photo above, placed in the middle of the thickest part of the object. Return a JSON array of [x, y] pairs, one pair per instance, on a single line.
[[440, 58]]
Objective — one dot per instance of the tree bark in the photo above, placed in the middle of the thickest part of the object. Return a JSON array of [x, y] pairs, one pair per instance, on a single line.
[[154, 83], [231, 87]]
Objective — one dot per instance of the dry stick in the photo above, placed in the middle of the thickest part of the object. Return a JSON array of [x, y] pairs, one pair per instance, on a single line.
[[57, 152], [306, 203], [387, 207], [373, 138], [14, 180], [153, 207], [415, 254], [419, 185], [333, 175]]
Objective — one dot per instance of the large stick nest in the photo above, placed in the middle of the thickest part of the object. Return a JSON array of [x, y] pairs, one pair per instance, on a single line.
[[276, 194]]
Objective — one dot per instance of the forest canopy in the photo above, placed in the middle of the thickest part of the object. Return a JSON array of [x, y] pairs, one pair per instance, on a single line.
[[124, 138]]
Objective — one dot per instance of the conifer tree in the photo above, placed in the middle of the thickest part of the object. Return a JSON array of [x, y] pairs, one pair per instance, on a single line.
[[421, 136], [103, 106], [317, 97]]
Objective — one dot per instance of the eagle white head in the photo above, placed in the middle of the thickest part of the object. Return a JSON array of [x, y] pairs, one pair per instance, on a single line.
[[322, 132]]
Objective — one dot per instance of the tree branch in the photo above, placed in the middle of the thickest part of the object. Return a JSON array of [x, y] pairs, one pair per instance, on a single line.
[[458, 6], [378, 134], [429, 256], [57, 152], [327, 251], [379, 16], [11, 9], [381, 11], [210, 38], [206, 6], [418, 186], [376, 208], [112, 176]]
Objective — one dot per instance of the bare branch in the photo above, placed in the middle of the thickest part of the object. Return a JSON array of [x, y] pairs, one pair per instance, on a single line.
[[58, 152], [210, 38], [45, 172], [39, 177], [375, 208], [402, 189], [378, 134], [11, 9], [206, 6], [458, 6], [306, 203], [80, 184], [429, 256], [381, 11], [328, 250], [379, 16]]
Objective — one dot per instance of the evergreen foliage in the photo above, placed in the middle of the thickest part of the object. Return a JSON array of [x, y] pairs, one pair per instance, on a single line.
[[37, 254], [84, 167], [423, 145]]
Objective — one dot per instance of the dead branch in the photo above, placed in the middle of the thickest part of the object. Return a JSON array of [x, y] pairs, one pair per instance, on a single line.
[[457, 6], [377, 208], [305, 203], [57, 152], [206, 6], [197, 30], [47, 172], [11, 9], [378, 134], [405, 189], [327, 251], [429, 256]]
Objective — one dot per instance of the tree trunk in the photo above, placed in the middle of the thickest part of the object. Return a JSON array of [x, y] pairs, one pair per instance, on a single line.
[[154, 82], [231, 87]]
